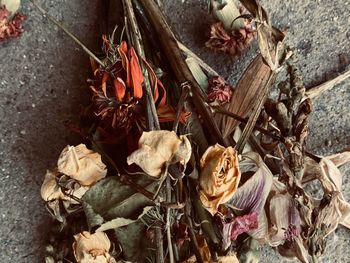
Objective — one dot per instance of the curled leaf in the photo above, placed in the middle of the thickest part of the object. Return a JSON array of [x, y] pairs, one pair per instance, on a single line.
[[158, 148], [92, 248], [81, 164], [219, 176]]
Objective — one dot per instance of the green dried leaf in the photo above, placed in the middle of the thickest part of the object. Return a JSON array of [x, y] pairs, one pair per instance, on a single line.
[[110, 199], [135, 247], [121, 221], [198, 73]]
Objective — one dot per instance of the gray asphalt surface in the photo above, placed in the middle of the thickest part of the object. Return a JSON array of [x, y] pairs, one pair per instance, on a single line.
[[43, 80]]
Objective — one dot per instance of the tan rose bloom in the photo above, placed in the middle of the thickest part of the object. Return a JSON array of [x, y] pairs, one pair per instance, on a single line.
[[156, 148], [219, 176], [92, 248], [81, 164], [52, 193]]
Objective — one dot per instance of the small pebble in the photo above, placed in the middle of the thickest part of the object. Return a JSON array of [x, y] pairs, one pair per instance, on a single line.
[[23, 132]]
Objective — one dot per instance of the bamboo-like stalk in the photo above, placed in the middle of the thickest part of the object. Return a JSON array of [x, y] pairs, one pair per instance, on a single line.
[[178, 64], [153, 122]]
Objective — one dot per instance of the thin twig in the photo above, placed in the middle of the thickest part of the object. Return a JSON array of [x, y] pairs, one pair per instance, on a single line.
[[180, 105], [178, 64], [200, 62], [318, 90], [52, 19], [220, 110], [167, 225]]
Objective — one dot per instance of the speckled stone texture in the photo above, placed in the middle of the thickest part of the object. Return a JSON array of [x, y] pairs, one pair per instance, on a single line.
[[43, 80]]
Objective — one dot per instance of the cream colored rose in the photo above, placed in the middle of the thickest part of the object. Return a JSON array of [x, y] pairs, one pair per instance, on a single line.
[[81, 164], [92, 248], [52, 193], [219, 176], [156, 148]]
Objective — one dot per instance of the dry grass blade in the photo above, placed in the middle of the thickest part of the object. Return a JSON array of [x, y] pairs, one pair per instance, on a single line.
[[318, 90], [252, 81]]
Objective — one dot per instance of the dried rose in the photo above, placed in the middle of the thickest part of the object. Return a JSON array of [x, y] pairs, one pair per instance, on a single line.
[[158, 148], [81, 164], [10, 23], [92, 248], [219, 176], [51, 192]]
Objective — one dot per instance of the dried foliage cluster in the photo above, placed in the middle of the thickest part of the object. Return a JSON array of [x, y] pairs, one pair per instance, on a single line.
[[175, 164]]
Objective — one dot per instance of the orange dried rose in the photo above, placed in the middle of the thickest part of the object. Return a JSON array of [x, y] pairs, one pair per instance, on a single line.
[[219, 176]]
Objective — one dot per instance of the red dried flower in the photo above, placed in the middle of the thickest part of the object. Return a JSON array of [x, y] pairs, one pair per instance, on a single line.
[[233, 42], [219, 91], [10, 28]]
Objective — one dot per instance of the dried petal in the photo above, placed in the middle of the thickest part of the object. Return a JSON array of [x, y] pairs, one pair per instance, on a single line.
[[136, 74], [81, 164], [120, 88], [219, 91], [158, 148], [284, 219], [252, 195], [92, 248], [219, 176], [11, 5]]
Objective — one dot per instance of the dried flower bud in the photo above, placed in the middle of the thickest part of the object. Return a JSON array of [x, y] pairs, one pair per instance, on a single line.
[[92, 248], [81, 164], [219, 91], [219, 176], [156, 148]]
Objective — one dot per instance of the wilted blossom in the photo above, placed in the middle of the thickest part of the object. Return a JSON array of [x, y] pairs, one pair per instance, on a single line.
[[54, 194], [233, 42], [81, 164], [92, 248], [159, 148], [10, 27], [219, 176], [219, 92]]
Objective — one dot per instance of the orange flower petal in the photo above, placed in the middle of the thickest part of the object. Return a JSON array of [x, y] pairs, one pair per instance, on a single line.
[[104, 83], [123, 49], [119, 87], [136, 74]]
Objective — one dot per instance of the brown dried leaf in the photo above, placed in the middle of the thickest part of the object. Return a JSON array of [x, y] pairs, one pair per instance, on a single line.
[[254, 78]]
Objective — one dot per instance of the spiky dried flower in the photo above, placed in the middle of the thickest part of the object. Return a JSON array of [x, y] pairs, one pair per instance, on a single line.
[[219, 91], [10, 27], [234, 42]]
